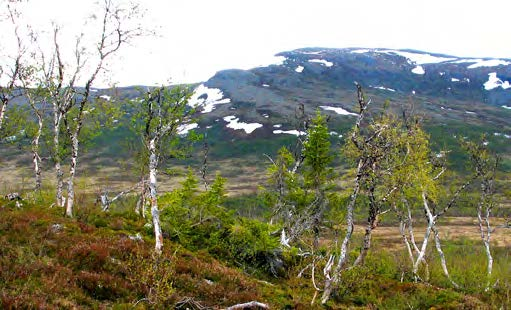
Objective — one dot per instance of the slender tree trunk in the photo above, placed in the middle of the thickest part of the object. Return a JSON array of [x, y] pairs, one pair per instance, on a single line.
[[442, 258], [56, 149], [371, 224], [36, 159], [155, 212], [332, 281], [3, 108], [485, 233], [72, 172], [431, 222], [402, 231], [414, 243]]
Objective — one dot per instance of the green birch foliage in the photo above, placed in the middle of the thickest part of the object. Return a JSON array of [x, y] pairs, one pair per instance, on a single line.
[[159, 114], [420, 167], [15, 124], [396, 158]]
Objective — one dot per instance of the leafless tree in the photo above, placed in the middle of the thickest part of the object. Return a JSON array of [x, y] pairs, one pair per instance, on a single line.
[[12, 63], [333, 276], [116, 29]]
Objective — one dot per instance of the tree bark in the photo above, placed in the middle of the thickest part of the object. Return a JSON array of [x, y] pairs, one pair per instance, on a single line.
[[155, 212], [36, 159], [372, 223], [366, 244], [485, 231], [72, 172], [3, 108], [431, 222], [56, 157], [332, 281], [442, 258]]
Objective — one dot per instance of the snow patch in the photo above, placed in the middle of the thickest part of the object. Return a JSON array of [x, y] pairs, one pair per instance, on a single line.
[[494, 82], [311, 53], [185, 128], [289, 132], [273, 60], [469, 60], [470, 112], [506, 107], [322, 61], [234, 123], [266, 85], [498, 134], [299, 69], [207, 98], [455, 80], [106, 97], [418, 70], [418, 58], [337, 110], [384, 88], [277, 125], [360, 51], [489, 63], [478, 62], [265, 115], [335, 133]]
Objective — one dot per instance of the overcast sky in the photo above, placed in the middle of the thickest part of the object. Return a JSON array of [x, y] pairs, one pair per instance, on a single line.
[[199, 37]]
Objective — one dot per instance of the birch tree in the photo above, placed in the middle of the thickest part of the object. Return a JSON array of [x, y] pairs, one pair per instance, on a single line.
[[115, 28], [11, 61], [423, 173], [158, 118], [381, 150], [37, 99], [484, 165], [338, 262]]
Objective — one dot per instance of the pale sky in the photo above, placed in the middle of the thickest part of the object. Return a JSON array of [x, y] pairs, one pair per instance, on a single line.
[[199, 37]]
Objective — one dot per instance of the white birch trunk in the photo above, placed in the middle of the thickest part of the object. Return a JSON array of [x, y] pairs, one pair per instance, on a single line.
[[366, 245], [36, 159], [442, 258], [155, 212], [486, 237], [402, 228], [2, 113], [431, 222], [56, 148], [372, 223], [414, 244], [332, 281], [72, 172]]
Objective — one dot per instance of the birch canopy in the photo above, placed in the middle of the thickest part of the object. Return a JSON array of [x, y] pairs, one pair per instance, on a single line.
[[157, 118]]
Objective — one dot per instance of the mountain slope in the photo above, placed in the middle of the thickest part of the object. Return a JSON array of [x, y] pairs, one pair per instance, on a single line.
[[444, 87]]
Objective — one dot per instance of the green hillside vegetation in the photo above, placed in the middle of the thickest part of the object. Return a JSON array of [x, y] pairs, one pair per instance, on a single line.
[[221, 250], [106, 259], [134, 199]]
